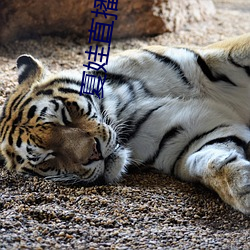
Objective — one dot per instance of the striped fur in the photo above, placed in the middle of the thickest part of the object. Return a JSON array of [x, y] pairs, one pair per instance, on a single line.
[[181, 110]]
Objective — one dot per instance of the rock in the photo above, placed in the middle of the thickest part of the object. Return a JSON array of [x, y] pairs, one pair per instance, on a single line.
[[175, 13], [29, 19]]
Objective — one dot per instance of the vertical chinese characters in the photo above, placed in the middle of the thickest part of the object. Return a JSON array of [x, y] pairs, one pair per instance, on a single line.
[[98, 56]]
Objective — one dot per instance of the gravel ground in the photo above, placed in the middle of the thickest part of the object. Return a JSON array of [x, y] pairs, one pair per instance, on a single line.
[[146, 210]]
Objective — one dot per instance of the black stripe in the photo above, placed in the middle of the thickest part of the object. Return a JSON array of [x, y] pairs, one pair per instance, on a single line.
[[56, 105], [13, 165], [48, 123], [10, 109], [39, 141], [19, 159], [33, 138], [35, 158], [239, 142], [128, 126], [132, 91], [11, 133], [66, 80], [3, 124], [146, 90], [76, 105], [101, 106], [169, 135], [2, 160], [195, 139], [29, 149], [47, 168], [209, 74], [31, 112], [3, 135], [17, 101], [14, 124], [205, 69], [109, 131], [43, 111], [31, 172], [64, 117], [21, 131], [232, 160], [62, 99], [26, 102], [19, 141], [10, 139], [139, 123], [45, 92], [69, 105], [68, 90], [247, 69], [112, 78], [118, 114], [8, 153], [231, 60], [173, 64], [213, 77], [89, 97], [131, 99], [93, 116], [18, 119], [120, 79], [41, 116], [89, 109]]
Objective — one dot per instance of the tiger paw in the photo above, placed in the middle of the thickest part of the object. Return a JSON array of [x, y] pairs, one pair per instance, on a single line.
[[223, 159], [115, 164], [232, 182]]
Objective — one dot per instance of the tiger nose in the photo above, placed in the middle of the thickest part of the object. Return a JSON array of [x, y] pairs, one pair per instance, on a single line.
[[96, 153]]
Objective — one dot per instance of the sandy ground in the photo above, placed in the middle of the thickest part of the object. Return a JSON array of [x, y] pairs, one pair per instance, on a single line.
[[146, 210]]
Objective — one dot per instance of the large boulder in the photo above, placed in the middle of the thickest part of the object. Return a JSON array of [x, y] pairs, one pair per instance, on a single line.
[[26, 19]]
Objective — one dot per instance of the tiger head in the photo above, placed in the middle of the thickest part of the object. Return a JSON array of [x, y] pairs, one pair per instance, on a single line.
[[48, 129]]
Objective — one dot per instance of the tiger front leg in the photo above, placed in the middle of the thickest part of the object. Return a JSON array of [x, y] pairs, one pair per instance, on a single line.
[[230, 178], [224, 170]]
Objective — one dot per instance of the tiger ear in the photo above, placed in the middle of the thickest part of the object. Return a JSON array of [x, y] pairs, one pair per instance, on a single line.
[[29, 69]]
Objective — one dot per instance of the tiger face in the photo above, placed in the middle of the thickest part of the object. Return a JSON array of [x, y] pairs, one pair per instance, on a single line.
[[48, 129]]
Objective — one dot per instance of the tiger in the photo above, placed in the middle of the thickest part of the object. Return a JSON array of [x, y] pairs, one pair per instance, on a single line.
[[181, 110]]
